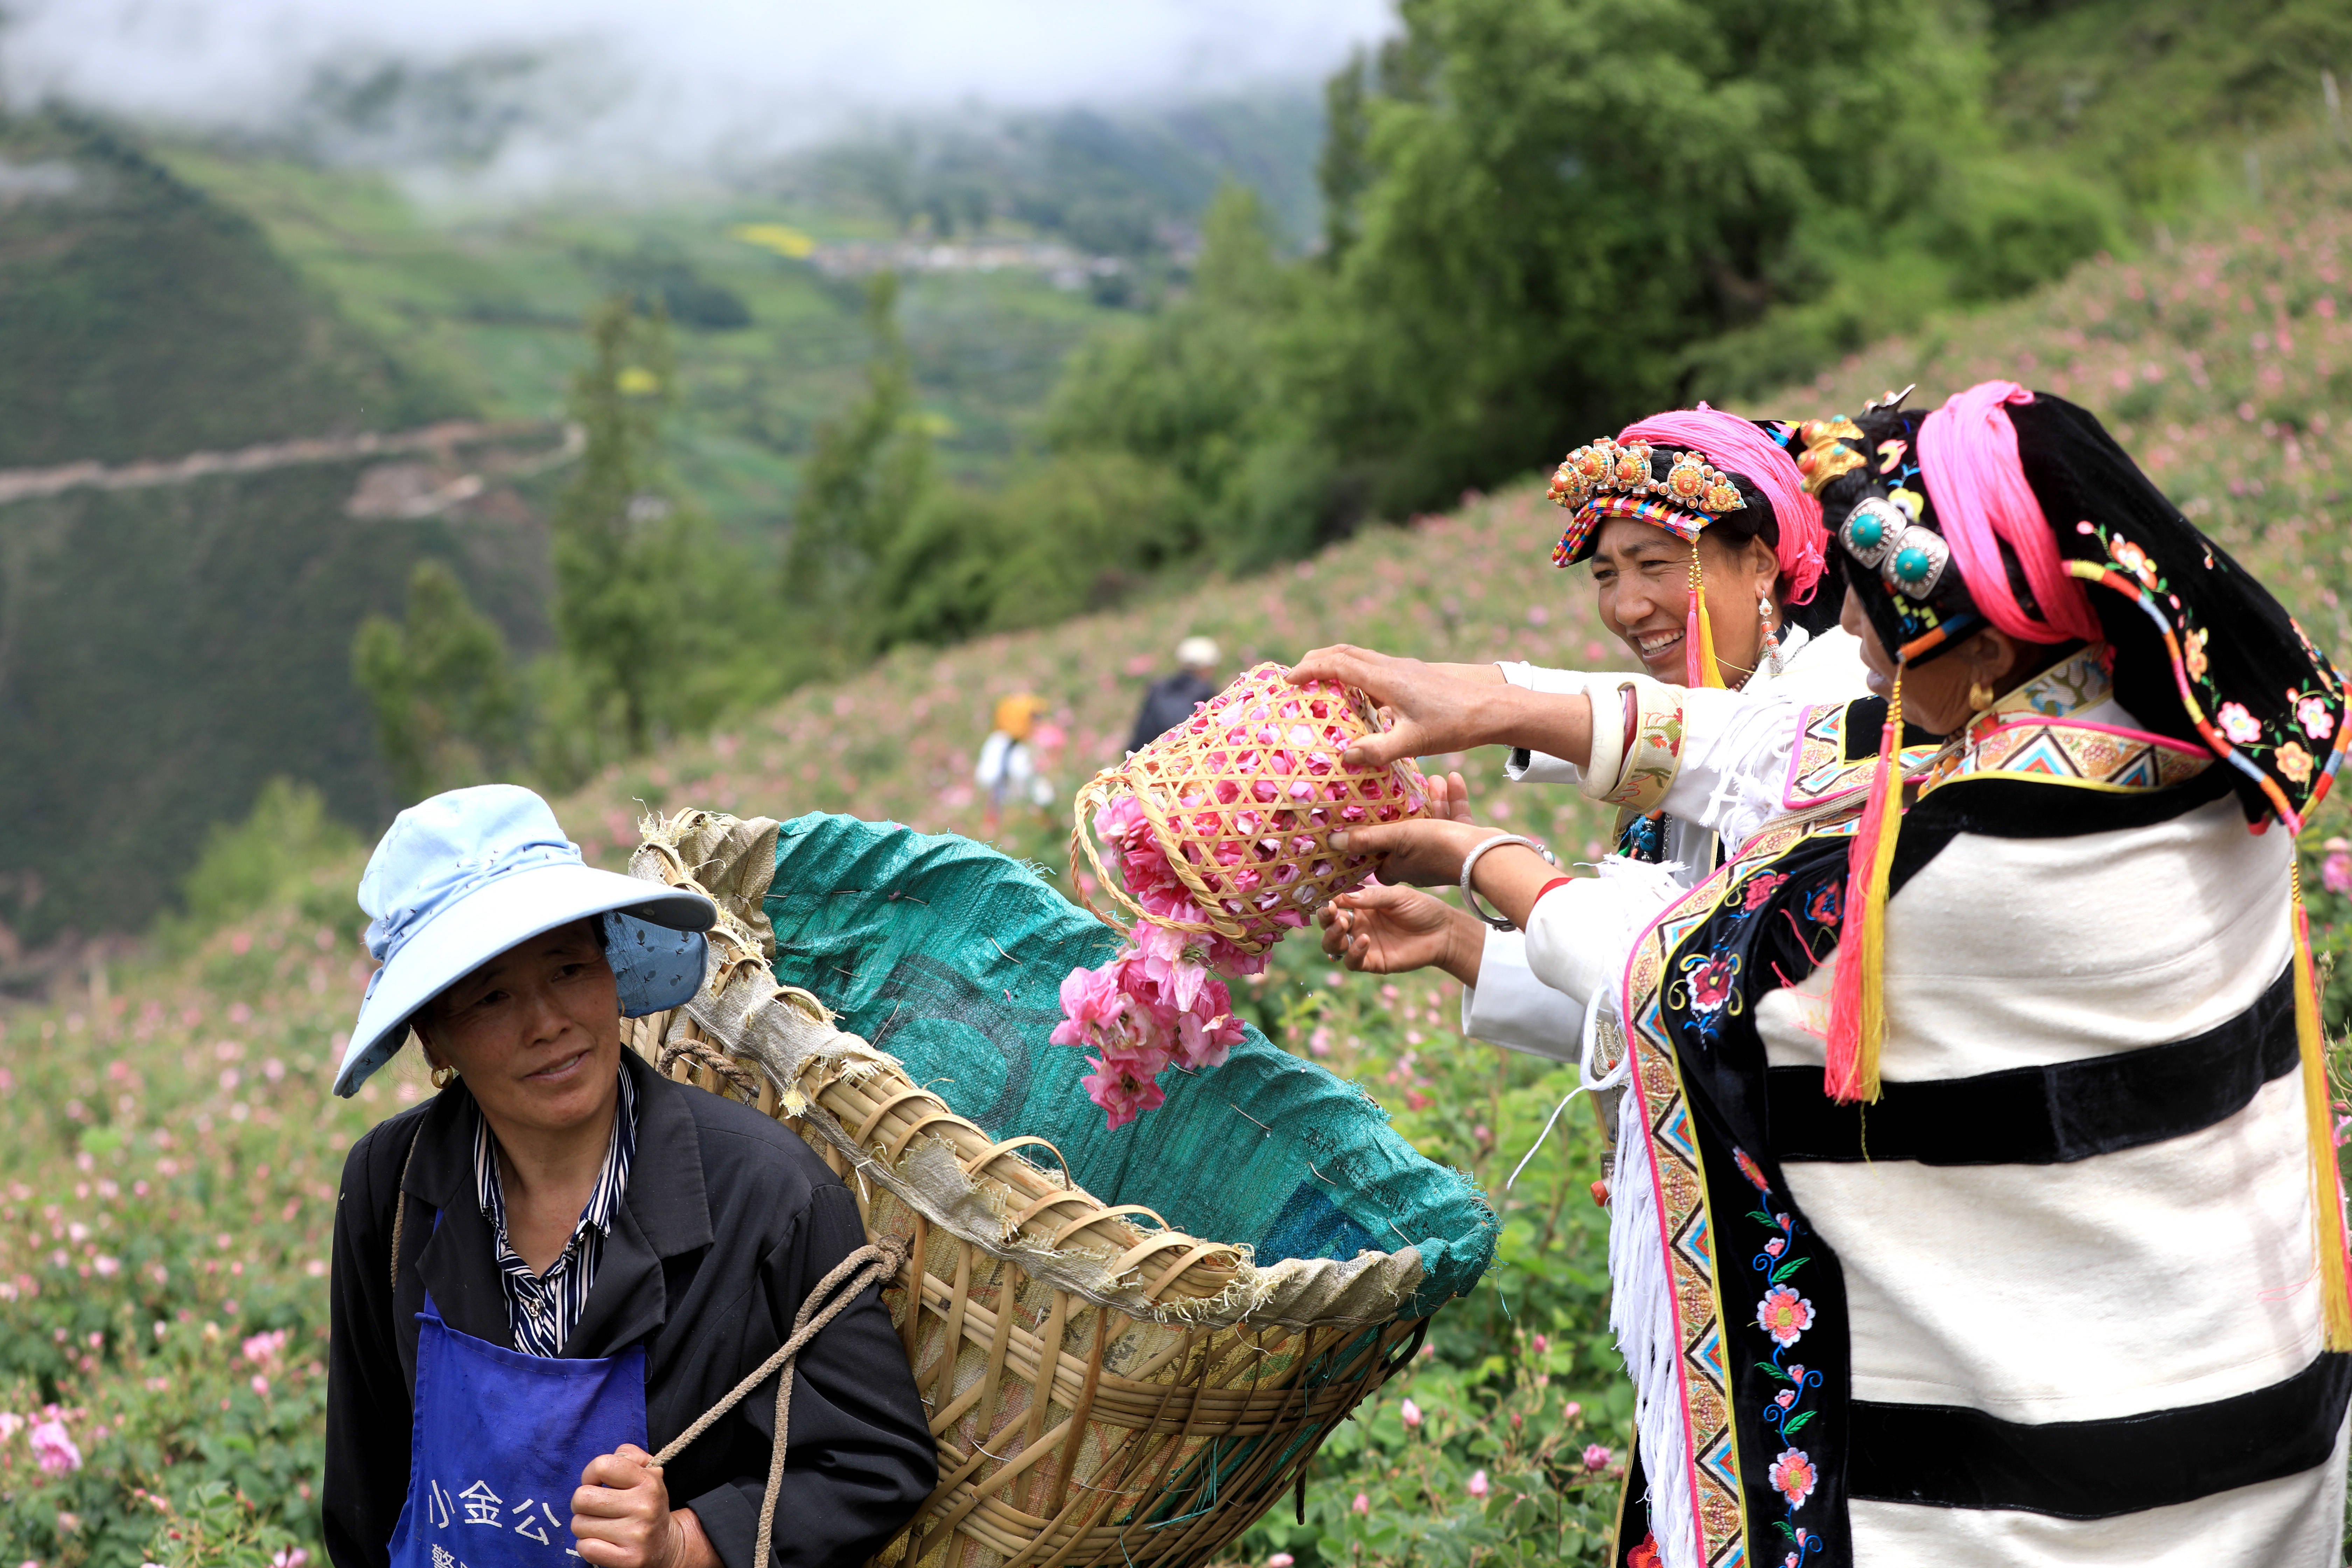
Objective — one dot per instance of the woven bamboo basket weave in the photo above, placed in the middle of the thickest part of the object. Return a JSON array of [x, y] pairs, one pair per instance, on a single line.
[[1243, 798], [1103, 1389]]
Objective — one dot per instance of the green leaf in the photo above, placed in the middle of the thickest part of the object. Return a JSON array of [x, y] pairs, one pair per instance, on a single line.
[[1796, 1423], [1766, 1366], [1787, 1269]]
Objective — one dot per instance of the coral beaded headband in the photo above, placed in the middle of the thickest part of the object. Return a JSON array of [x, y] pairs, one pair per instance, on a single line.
[[1607, 480]]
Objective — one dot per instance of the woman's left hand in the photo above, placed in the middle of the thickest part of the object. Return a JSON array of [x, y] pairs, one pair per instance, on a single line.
[[1424, 851], [621, 1516]]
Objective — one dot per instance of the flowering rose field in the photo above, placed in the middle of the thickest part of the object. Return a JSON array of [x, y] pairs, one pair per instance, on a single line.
[[169, 1153]]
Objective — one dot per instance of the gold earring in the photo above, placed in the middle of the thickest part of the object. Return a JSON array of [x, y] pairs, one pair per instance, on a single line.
[[442, 1076], [1980, 695]]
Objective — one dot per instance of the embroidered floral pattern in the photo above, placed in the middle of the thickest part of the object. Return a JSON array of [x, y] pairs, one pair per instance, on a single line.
[[1708, 989], [2309, 712], [1784, 1314]]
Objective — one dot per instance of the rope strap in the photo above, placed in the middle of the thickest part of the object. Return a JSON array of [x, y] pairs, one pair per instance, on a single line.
[[875, 1263], [701, 1053]]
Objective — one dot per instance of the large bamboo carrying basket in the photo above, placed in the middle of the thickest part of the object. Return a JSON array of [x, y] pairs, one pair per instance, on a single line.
[[1102, 1390]]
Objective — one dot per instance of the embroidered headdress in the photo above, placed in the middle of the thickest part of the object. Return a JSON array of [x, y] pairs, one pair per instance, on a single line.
[[1684, 470]]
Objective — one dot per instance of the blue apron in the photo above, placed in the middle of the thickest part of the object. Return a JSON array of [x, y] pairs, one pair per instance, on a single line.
[[498, 1444]]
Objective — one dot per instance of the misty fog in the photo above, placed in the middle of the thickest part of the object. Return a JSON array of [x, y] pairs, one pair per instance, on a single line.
[[533, 94]]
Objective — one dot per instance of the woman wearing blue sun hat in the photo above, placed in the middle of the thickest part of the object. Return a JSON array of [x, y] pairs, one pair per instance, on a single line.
[[556, 1266]]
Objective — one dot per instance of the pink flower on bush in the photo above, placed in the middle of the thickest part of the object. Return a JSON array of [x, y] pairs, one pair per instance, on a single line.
[[1478, 1485], [1280, 1560], [54, 1448], [262, 1350], [1571, 1410], [1541, 1344], [10, 1425], [1793, 1477], [1596, 1456], [1410, 1414], [1363, 1504], [290, 1557], [2335, 872], [1784, 1315]]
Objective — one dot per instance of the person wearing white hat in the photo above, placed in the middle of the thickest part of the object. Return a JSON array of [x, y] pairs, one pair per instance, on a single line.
[[551, 1269], [1171, 701]]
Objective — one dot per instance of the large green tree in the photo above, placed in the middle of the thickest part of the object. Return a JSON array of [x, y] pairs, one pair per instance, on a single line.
[[1555, 199]]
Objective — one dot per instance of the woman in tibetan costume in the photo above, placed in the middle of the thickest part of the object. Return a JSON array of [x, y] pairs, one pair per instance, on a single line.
[[1973, 1199], [1710, 564]]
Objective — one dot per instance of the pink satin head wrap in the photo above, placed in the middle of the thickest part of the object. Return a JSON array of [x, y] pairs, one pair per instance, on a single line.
[[1730, 442], [1968, 456]]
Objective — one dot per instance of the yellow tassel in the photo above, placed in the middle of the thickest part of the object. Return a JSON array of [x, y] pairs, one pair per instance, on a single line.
[[1709, 672], [1873, 915], [2326, 1193]]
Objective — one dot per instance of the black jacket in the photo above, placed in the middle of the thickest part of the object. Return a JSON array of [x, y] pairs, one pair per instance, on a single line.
[[729, 1221], [1168, 704]]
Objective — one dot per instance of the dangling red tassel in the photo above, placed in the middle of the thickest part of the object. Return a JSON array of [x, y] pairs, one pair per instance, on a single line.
[[1857, 993]]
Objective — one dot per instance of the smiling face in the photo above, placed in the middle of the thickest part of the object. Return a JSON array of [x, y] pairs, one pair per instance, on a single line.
[[535, 1032], [1643, 574]]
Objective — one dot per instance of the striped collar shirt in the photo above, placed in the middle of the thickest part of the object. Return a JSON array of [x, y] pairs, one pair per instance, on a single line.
[[544, 1308]]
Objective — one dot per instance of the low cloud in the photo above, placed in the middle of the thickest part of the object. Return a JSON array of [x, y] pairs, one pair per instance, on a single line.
[[535, 93]]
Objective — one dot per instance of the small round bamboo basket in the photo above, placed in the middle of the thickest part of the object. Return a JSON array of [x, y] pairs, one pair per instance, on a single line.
[[1103, 1389], [1243, 797]]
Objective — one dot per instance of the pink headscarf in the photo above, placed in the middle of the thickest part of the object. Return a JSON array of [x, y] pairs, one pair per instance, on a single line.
[[1968, 456], [1730, 442]]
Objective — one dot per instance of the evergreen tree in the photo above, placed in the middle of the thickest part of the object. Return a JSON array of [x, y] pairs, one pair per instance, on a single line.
[[869, 471], [625, 547], [445, 705]]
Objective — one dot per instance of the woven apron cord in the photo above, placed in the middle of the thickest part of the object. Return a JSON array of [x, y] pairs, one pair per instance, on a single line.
[[875, 1263]]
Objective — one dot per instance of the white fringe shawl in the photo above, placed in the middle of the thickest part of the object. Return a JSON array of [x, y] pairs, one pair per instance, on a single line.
[[1642, 1315]]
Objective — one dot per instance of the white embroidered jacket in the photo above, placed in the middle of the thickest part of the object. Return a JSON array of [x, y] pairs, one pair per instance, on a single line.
[[1600, 917]]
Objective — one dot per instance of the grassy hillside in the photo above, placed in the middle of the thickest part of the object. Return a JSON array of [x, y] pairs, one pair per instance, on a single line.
[[168, 1156]]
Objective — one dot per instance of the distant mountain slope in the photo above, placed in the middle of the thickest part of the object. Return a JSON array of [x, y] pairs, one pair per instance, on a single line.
[[141, 318], [164, 651]]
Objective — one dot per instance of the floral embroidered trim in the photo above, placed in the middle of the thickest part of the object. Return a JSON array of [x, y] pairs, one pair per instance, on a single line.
[[1685, 1220], [1655, 756], [2242, 739], [1784, 1315]]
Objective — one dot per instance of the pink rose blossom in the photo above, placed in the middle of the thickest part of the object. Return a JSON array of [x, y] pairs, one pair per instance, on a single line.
[[1596, 1456], [1410, 1414], [1571, 1410], [54, 1449], [1478, 1485], [1363, 1504], [2335, 872]]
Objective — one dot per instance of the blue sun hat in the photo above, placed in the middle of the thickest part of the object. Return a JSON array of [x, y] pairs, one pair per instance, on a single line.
[[459, 878]]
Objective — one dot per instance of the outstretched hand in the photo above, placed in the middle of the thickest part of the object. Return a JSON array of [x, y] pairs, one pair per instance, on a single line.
[[1388, 930], [1432, 712]]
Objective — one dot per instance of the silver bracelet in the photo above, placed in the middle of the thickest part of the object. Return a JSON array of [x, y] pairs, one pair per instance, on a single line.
[[1470, 864]]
